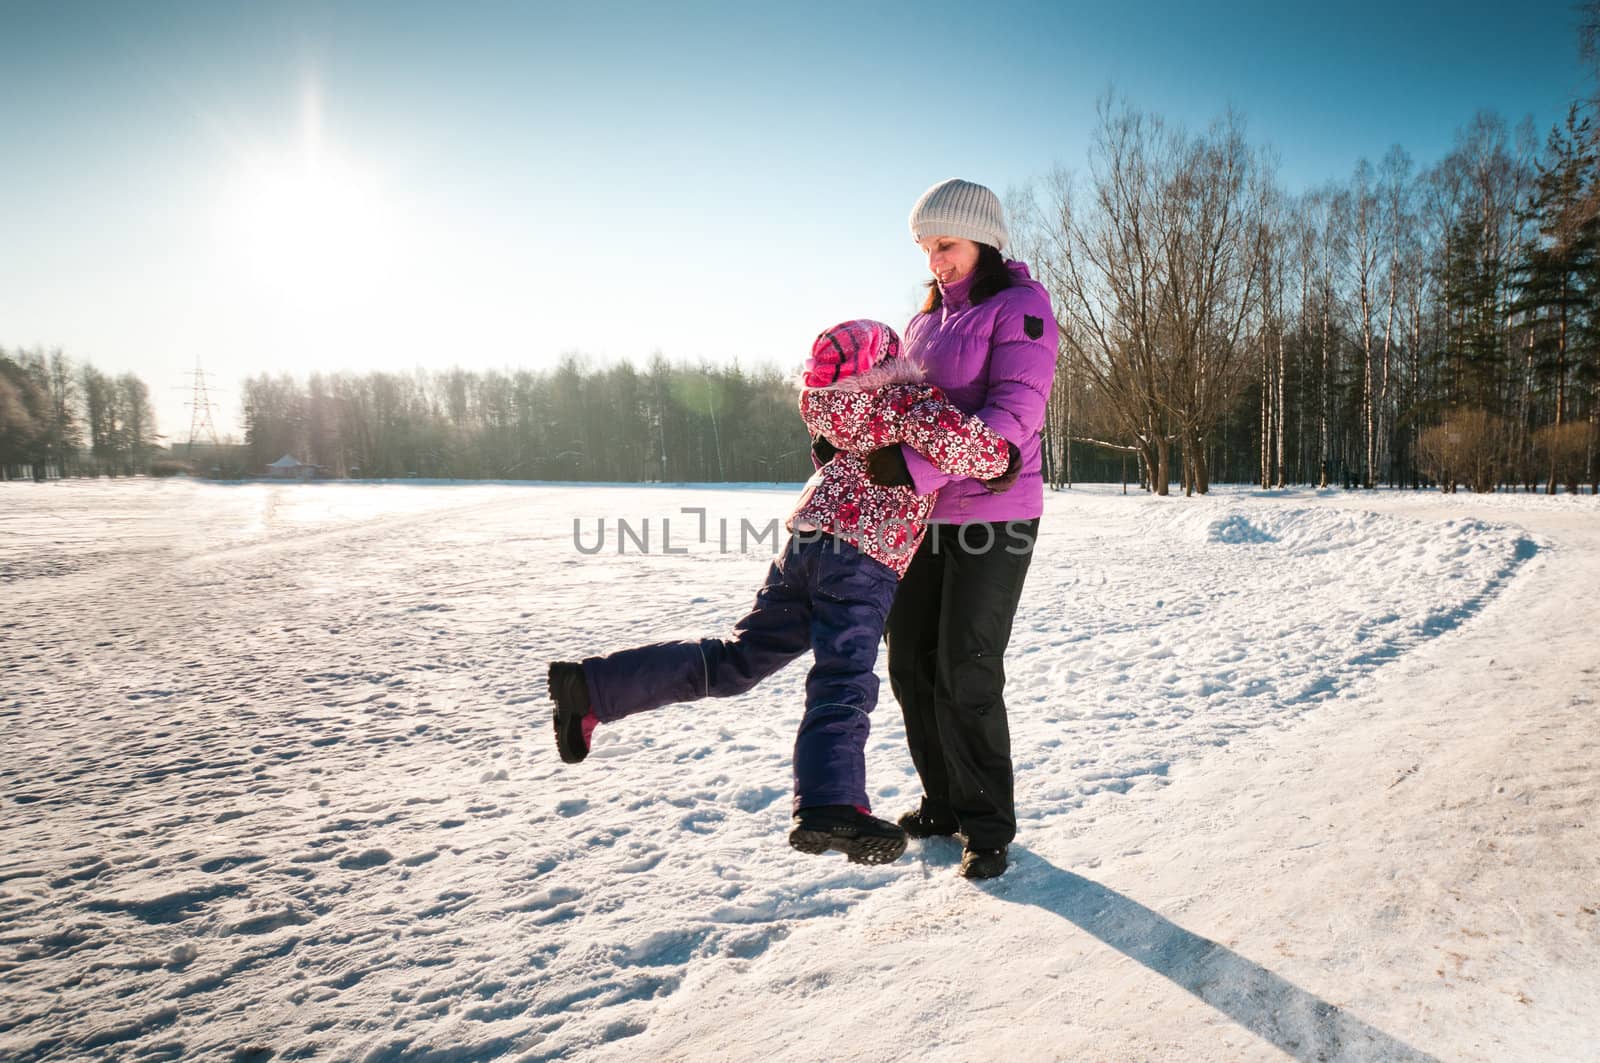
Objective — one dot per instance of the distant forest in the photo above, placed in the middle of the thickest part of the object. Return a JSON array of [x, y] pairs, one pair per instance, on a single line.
[[1392, 328], [668, 422], [1403, 326], [58, 418]]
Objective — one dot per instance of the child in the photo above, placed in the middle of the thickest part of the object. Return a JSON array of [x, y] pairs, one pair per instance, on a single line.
[[829, 591]]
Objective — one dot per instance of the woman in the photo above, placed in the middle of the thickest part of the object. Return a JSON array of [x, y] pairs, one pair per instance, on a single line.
[[986, 336]]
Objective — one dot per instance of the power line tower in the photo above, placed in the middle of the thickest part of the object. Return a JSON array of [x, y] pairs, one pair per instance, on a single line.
[[201, 426]]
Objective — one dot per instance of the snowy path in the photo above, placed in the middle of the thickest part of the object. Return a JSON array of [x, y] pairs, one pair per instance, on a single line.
[[278, 775]]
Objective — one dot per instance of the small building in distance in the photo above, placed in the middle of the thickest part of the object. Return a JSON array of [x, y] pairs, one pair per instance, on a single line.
[[289, 467]]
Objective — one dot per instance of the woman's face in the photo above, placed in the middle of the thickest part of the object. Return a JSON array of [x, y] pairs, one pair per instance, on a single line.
[[950, 258]]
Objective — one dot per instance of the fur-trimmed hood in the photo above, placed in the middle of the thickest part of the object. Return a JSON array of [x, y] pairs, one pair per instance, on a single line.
[[900, 370]]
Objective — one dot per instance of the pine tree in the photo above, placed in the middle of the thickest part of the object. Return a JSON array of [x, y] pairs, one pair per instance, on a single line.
[[1557, 287], [1555, 282]]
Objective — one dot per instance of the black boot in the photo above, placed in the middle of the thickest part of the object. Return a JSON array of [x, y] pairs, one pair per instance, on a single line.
[[920, 823], [983, 863], [863, 839], [571, 694]]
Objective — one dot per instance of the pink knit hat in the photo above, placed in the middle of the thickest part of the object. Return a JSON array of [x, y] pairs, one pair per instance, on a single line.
[[847, 349]]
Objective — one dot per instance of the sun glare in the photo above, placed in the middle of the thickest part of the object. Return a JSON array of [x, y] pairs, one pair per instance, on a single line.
[[309, 238], [308, 223]]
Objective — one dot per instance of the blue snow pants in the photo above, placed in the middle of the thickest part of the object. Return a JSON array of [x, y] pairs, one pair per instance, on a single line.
[[822, 595]]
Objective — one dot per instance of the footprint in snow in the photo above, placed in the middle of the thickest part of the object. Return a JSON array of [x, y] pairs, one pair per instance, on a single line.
[[646, 861], [754, 800], [701, 822], [370, 858]]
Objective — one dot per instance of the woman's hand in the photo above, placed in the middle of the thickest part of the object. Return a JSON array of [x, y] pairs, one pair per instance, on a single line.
[[887, 467]]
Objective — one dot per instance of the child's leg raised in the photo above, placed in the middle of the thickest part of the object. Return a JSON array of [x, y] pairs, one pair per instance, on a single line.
[[775, 631]]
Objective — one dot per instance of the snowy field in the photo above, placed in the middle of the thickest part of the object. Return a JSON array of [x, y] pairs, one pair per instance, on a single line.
[[1301, 774]]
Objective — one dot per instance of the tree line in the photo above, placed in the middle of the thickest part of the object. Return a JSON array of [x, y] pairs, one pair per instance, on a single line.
[[1400, 326], [667, 422], [1395, 327], [60, 418]]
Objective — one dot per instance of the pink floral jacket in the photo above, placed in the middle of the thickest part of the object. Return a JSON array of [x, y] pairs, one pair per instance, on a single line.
[[887, 404]]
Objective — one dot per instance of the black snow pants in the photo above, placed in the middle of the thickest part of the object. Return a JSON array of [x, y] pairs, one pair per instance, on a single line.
[[947, 636]]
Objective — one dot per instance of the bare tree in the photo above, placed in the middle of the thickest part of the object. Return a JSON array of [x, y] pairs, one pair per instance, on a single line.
[[1210, 281], [1153, 268], [1100, 261], [1394, 192], [1276, 233], [1365, 240], [136, 423]]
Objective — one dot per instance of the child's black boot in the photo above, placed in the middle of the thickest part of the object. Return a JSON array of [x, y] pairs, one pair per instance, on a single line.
[[863, 838], [574, 721]]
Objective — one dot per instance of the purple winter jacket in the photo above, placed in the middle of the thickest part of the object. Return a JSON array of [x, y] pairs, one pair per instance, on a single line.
[[996, 360]]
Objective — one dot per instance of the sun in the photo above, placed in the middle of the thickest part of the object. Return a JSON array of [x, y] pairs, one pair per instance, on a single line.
[[307, 230], [307, 222]]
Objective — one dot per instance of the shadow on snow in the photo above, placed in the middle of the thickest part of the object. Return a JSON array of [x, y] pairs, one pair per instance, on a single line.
[[1297, 1022]]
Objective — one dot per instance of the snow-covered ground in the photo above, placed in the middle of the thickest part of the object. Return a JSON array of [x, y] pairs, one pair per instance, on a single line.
[[1300, 774]]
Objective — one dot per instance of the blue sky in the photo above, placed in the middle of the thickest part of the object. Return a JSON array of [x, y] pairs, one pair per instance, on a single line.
[[290, 187]]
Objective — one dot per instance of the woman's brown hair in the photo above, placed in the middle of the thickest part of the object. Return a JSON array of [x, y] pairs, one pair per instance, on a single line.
[[988, 277]]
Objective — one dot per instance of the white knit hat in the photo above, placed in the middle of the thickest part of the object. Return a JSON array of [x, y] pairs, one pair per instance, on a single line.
[[960, 208]]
